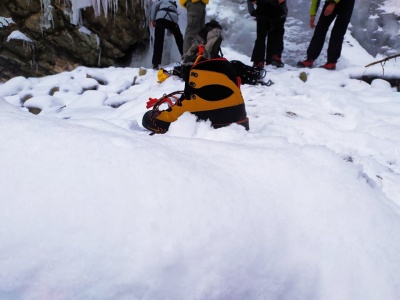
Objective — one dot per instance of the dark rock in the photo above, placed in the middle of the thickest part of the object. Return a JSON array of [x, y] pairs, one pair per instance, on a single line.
[[57, 45]]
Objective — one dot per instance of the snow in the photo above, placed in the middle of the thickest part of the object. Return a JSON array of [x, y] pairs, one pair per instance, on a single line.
[[84, 30], [5, 21], [304, 205], [391, 7], [18, 35]]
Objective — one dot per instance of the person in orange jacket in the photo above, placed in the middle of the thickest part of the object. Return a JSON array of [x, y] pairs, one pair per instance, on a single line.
[[341, 10], [196, 19]]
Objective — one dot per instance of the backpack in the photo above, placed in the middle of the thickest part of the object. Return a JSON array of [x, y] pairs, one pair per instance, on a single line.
[[247, 74], [207, 43]]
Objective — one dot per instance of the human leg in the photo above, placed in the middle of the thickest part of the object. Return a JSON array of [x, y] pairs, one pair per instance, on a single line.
[[258, 54], [159, 32], [174, 28], [275, 43], [196, 14], [344, 12], [317, 41]]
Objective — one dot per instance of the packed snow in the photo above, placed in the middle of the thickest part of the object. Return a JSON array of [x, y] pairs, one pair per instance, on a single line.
[[18, 35], [4, 22], [305, 205]]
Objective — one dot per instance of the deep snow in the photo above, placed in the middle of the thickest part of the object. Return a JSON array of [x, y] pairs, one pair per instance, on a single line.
[[305, 205]]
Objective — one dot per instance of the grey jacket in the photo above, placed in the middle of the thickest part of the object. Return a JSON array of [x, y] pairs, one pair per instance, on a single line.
[[164, 9]]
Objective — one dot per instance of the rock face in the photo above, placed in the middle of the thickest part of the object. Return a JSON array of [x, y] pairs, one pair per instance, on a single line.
[[52, 43]]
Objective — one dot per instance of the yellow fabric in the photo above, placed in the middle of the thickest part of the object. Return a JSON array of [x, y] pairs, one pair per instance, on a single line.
[[183, 2], [161, 76], [198, 104]]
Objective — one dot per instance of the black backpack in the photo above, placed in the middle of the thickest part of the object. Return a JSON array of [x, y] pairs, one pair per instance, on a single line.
[[249, 75]]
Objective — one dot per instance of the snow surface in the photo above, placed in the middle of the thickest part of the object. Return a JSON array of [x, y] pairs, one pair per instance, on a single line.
[[4, 22], [304, 205], [18, 35], [391, 6]]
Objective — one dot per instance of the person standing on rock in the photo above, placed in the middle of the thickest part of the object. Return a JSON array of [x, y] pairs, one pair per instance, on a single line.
[[163, 16], [196, 20], [341, 10]]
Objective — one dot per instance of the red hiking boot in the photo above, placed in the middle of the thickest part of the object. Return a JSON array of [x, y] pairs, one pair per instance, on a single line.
[[329, 66], [259, 65], [305, 63], [277, 61]]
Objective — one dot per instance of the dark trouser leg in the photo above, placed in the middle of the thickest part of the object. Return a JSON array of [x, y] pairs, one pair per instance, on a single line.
[[174, 28], [344, 12], [263, 26], [158, 44], [275, 39], [318, 39]]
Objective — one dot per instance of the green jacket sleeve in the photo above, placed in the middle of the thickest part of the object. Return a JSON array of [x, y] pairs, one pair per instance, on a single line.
[[315, 5]]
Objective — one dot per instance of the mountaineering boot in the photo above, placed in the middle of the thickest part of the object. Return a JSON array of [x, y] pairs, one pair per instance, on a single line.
[[211, 93], [305, 63], [277, 61], [329, 66]]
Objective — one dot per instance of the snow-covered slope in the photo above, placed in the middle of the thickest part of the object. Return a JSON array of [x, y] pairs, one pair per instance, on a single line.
[[304, 205]]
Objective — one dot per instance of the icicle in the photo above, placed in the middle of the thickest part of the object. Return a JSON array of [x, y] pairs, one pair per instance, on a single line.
[[72, 8], [99, 59], [68, 9], [105, 7], [76, 6], [29, 45], [96, 7], [46, 20], [115, 7]]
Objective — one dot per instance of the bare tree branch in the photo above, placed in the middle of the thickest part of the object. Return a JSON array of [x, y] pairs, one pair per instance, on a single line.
[[383, 60]]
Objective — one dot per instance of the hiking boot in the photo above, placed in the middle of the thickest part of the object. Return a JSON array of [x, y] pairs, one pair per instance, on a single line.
[[259, 65], [329, 66], [277, 61], [305, 63], [211, 93], [155, 67]]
